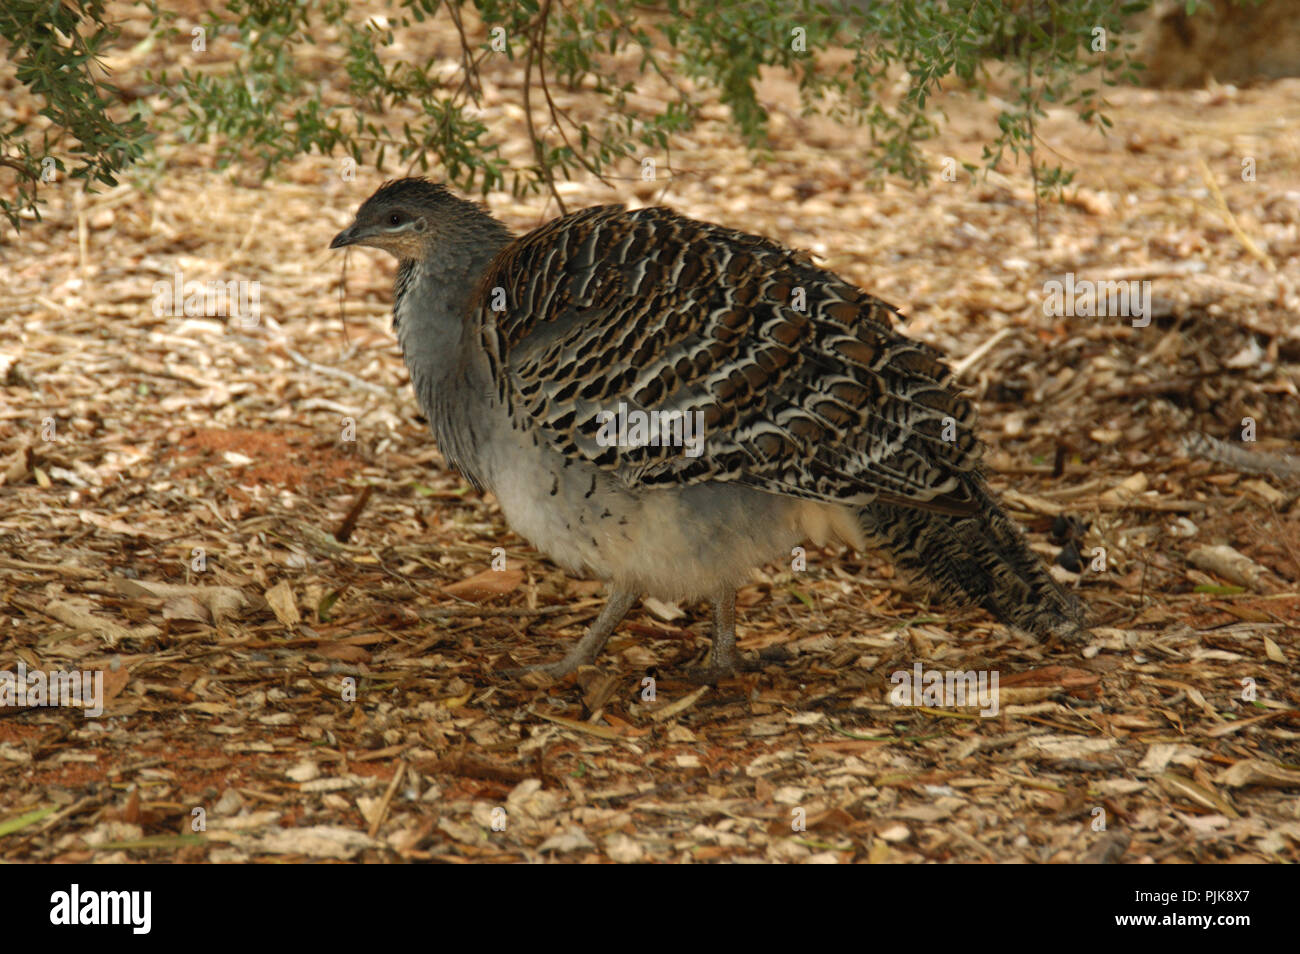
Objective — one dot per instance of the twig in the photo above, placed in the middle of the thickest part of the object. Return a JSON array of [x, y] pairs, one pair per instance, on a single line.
[[343, 290], [1029, 112], [342, 375], [466, 54], [1203, 446], [382, 811], [536, 45], [350, 521], [968, 362], [1174, 385], [78, 572], [1246, 241], [557, 114], [487, 611], [20, 167]]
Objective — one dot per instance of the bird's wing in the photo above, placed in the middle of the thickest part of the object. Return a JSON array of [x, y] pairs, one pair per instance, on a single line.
[[800, 382]]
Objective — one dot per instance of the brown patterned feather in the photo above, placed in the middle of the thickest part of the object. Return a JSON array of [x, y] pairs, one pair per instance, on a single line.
[[803, 385]]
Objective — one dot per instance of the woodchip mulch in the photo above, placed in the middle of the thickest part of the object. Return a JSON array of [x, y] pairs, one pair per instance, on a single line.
[[300, 634]]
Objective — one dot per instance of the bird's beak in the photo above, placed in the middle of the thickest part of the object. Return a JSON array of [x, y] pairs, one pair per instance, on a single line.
[[349, 236]]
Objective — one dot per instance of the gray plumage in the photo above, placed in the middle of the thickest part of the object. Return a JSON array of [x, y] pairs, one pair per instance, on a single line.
[[820, 421]]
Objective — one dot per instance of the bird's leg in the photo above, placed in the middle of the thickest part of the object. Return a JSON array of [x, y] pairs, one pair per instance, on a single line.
[[589, 647], [724, 659]]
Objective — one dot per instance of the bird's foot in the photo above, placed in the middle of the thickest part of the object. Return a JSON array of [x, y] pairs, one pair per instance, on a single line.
[[587, 648], [709, 675], [555, 670], [726, 665]]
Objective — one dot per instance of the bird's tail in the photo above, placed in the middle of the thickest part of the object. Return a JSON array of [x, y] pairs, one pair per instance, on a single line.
[[979, 558]]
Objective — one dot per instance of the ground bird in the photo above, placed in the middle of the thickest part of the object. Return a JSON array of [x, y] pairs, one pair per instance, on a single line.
[[782, 406]]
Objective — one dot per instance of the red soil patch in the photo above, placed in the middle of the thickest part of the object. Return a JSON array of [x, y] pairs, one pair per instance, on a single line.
[[291, 460]]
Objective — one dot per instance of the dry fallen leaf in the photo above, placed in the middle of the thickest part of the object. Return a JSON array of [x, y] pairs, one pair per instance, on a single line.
[[1258, 772], [280, 599], [485, 585], [1273, 652], [221, 602]]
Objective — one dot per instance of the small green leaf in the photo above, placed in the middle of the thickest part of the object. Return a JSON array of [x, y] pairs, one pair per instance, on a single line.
[[803, 598], [153, 841], [327, 603], [22, 821]]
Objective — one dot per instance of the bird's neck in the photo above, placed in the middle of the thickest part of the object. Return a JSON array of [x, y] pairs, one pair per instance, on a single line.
[[432, 304]]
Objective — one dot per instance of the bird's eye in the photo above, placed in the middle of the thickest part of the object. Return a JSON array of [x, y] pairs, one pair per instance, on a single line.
[[395, 219]]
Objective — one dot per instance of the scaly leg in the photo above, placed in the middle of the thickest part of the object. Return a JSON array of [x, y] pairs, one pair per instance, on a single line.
[[724, 658], [589, 647]]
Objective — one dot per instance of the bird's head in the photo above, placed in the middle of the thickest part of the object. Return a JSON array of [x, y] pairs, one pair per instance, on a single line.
[[405, 218]]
